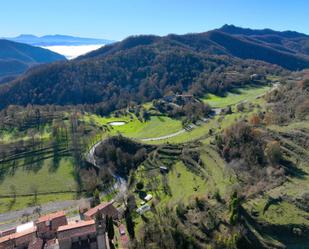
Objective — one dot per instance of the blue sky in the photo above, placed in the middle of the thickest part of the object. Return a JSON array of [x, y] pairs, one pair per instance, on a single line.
[[117, 19]]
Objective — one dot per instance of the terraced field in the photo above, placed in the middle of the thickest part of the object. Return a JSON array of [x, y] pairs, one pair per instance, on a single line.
[[287, 204], [232, 98]]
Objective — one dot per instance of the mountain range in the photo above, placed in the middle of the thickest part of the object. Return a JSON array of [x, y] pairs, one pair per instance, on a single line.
[[58, 40], [141, 68], [16, 58], [287, 49]]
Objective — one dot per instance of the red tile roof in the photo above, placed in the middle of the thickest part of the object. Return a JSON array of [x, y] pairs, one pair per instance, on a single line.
[[17, 235], [7, 232], [91, 212], [76, 225], [51, 216]]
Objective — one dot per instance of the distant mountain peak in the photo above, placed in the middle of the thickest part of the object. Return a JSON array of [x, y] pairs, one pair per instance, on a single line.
[[235, 30], [26, 36], [58, 40]]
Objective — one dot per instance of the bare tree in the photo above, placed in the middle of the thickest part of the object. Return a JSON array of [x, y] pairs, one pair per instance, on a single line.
[[37, 210], [34, 191]]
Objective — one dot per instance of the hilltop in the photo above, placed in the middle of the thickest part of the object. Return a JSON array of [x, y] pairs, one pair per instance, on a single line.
[[142, 68], [287, 49], [16, 58]]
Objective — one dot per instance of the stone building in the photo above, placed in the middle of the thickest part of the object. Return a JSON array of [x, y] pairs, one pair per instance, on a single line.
[[47, 225], [19, 240], [89, 234], [106, 209]]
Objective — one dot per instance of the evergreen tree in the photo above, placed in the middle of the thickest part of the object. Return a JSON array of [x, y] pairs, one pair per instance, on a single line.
[[96, 197], [130, 223], [110, 228]]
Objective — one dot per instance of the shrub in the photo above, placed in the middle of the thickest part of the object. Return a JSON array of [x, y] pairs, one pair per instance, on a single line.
[[273, 152], [240, 142], [234, 208], [302, 110], [139, 185], [255, 120], [96, 197], [181, 211]]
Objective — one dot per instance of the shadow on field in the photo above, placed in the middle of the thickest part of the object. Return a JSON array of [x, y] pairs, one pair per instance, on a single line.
[[292, 170]]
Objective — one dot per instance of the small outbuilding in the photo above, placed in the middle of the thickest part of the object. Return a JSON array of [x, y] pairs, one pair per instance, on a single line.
[[148, 197], [163, 169], [141, 210]]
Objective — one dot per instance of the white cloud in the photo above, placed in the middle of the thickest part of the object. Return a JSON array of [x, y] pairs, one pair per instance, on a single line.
[[71, 52]]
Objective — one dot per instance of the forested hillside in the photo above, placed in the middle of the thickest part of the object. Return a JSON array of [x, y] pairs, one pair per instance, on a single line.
[[288, 41], [138, 74], [287, 49], [16, 58]]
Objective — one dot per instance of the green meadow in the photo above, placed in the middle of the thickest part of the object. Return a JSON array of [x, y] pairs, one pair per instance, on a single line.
[[235, 97]]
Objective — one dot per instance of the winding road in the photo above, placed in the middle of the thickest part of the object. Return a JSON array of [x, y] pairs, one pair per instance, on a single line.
[[163, 137], [189, 128], [9, 219]]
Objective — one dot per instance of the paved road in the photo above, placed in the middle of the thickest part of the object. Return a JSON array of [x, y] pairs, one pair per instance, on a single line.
[[90, 156], [163, 137], [190, 127]]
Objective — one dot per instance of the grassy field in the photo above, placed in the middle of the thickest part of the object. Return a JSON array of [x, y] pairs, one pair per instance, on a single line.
[[285, 212], [184, 184], [219, 178], [295, 186], [290, 127], [232, 98], [7, 204], [202, 130], [14, 136], [220, 122], [44, 180], [155, 127]]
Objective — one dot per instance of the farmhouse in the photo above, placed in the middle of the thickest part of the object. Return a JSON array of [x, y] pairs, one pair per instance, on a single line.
[[105, 208]]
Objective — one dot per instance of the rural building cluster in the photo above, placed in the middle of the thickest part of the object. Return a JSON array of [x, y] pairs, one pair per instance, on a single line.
[[55, 231]]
